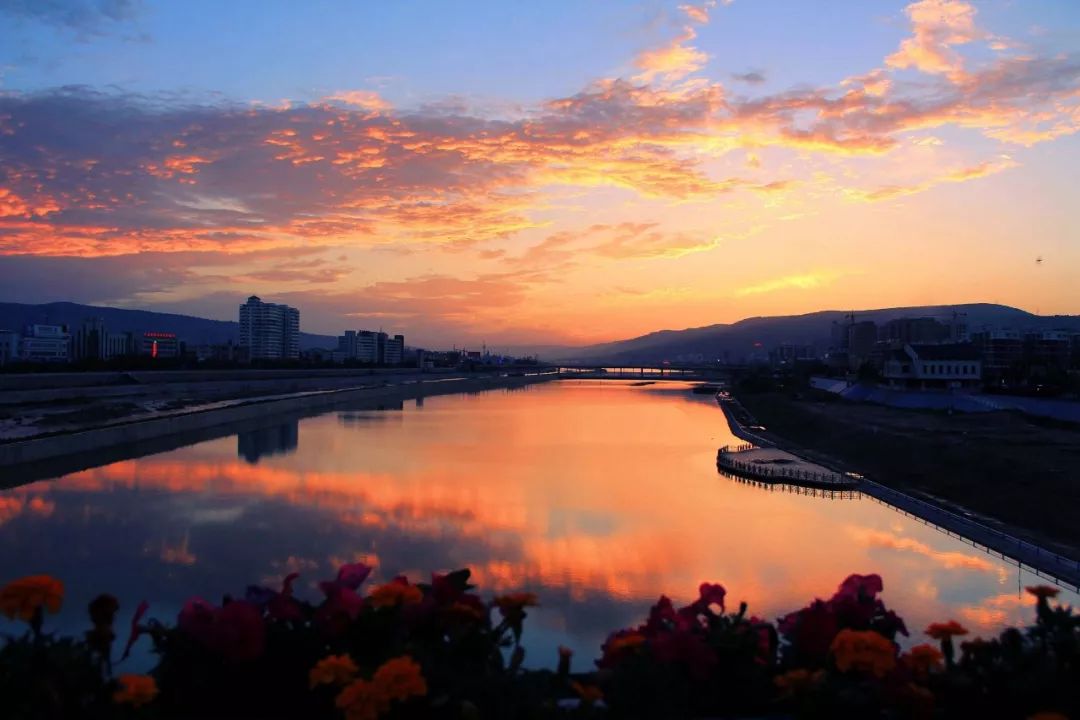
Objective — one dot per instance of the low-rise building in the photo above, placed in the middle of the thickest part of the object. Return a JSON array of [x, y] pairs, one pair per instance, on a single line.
[[9, 346], [944, 366], [158, 345], [45, 343]]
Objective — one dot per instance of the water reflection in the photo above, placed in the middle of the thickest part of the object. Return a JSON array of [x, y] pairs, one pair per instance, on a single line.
[[283, 439], [598, 495]]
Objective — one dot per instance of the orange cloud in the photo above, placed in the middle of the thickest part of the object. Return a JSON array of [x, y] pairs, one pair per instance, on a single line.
[[938, 25]]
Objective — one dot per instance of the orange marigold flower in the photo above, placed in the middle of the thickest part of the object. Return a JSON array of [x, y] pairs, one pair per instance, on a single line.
[[940, 631], [135, 690], [921, 659], [516, 601], [589, 694], [21, 598], [333, 670], [629, 641], [863, 650], [395, 593], [797, 681], [362, 700], [1043, 591], [400, 679]]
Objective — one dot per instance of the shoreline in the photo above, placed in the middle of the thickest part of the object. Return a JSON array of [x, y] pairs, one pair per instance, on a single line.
[[1026, 555], [38, 458]]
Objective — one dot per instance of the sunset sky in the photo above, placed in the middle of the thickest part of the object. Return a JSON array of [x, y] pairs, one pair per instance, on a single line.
[[548, 172]]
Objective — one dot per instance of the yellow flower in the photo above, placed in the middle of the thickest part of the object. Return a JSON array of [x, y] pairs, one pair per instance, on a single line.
[[945, 630], [395, 593], [1042, 591], [629, 641], [333, 670], [362, 700], [400, 679], [21, 598], [589, 694], [921, 659], [135, 690], [863, 650], [396, 679], [516, 601], [797, 681]]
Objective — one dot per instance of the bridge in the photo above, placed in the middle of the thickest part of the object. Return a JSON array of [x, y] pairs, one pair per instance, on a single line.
[[646, 372]]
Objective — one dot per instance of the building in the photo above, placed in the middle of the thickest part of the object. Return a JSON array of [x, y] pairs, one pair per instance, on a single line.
[[269, 331], [394, 350], [945, 366], [158, 345], [1047, 351], [9, 346], [45, 343], [918, 331], [119, 345], [90, 341], [1002, 352], [788, 353], [861, 338]]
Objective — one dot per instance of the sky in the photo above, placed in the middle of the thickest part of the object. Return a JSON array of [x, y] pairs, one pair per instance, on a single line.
[[539, 173]]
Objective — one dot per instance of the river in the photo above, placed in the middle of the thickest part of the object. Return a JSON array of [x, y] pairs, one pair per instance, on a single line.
[[597, 495]]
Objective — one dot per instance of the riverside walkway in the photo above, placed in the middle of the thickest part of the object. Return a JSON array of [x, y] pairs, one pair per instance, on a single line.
[[771, 465], [1057, 568]]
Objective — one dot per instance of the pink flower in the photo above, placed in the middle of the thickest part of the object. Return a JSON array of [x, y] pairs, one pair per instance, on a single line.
[[711, 594], [240, 634], [136, 629], [860, 587]]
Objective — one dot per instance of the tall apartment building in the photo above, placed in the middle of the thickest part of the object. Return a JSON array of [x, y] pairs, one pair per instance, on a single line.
[[269, 331], [90, 341]]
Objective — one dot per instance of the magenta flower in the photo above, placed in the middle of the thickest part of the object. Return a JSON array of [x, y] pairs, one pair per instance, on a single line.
[[136, 629], [711, 594]]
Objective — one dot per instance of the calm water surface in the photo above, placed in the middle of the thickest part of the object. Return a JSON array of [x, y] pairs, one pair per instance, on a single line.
[[598, 495]]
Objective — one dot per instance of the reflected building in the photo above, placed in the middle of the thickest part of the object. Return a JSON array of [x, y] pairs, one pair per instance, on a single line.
[[254, 445]]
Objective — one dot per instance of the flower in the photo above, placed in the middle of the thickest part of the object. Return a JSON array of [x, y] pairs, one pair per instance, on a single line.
[[565, 654], [400, 679], [22, 598], [797, 681], [362, 700], [396, 592], [941, 631], [333, 670], [516, 602], [921, 659], [1043, 591], [236, 631], [863, 650], [136, 629], [622, 642], [589, 694], [1047, 716], [860, 586], [103, 610], [711, 594], [135, 690]]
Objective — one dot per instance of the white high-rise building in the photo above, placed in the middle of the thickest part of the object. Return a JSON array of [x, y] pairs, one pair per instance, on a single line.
[[269, 331]]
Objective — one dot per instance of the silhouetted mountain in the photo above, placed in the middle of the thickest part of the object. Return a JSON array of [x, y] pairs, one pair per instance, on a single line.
[[741, 338], [193, 330]]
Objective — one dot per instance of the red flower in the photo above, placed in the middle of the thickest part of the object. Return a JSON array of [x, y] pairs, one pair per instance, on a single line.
[[810, 631]]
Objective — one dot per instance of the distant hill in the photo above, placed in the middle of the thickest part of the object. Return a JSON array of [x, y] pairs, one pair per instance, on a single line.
[[194, 330], [738, 339]]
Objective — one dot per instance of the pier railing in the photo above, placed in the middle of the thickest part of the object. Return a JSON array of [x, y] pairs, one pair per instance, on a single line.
[[727, 460]]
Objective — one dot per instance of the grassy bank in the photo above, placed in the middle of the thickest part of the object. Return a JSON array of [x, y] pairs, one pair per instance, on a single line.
[[1001, 465]]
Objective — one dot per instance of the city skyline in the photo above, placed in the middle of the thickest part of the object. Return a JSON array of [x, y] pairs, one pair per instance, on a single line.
[[555, 173]]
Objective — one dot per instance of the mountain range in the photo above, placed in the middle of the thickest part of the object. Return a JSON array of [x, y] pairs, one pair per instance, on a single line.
[[743, 337], [195, 330], [736, 339]]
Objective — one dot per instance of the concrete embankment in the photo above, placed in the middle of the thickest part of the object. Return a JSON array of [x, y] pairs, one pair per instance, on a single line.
[[21, 460], [995, 541]]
